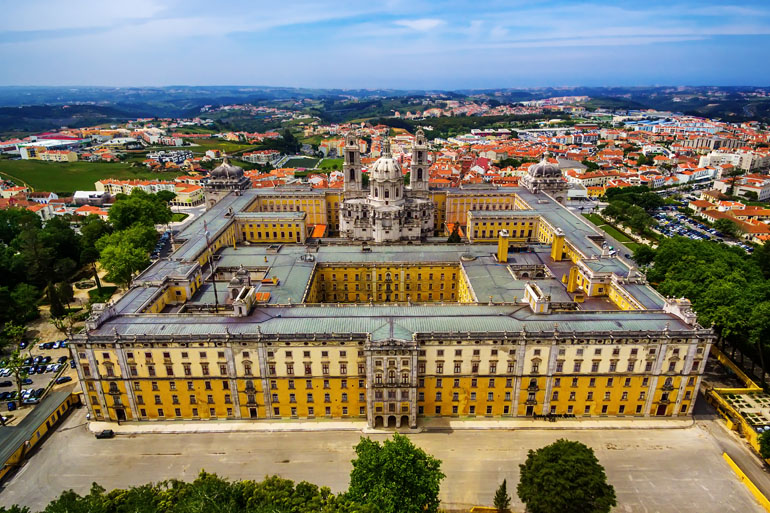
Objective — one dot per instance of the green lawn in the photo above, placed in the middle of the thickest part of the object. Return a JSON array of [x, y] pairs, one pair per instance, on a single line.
[[216, 144], [307, 162], [72, 176], [330, 164], [611, 230], [178, 216], [95, 297]]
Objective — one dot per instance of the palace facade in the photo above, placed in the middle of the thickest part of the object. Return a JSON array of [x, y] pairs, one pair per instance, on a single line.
[[300, 303]]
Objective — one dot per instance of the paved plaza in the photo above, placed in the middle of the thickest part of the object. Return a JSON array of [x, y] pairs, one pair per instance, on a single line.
[[653, 470]]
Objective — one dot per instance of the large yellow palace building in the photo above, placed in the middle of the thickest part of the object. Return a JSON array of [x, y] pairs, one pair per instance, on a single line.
[[263, 311]]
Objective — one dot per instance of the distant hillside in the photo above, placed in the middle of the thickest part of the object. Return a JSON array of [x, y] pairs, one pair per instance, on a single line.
[[47, 117]]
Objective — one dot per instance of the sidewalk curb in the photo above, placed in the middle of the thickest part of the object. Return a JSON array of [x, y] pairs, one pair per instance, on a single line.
[[198, 428]]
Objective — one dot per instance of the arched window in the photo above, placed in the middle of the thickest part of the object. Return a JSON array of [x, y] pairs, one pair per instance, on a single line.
[[376, 192], [353, 174], [387, 193], [419, 173], [668, 382]]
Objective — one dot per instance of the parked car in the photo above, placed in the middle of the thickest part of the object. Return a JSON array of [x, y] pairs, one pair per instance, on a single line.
[[39, 392], [11, 405], [4, 396], [26, 381], [107, 433], [62, 359], [63, 379], [4, 384], [72, 364]]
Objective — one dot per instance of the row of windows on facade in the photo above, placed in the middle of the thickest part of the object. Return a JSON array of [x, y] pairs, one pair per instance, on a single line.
[[592, 382], [267, 235], [535, 367], [151, 370], [380, 286], [493, 233], [387, 276], [343, 369], [531, 396], [207, 385], [113, 387], [310, 398]]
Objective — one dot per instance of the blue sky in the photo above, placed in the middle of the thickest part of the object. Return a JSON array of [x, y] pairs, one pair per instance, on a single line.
[[384, 43]]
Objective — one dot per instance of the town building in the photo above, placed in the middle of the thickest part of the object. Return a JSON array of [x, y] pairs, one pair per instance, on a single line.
[[268, 309]]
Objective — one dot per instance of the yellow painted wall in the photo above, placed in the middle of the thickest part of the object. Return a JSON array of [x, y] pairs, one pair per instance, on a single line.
[[352, 284]]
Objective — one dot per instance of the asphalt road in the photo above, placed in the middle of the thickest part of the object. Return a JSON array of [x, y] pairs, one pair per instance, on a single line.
[[666, 470]]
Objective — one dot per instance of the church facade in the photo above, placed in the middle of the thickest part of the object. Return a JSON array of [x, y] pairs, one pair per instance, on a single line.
[[388, 211]]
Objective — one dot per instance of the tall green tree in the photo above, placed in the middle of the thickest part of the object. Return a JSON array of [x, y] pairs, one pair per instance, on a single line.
[[728, 227], [140, 236], [122, 260], [54, 300], [24, 300], [19, 370], [564, 477], [502, 499], [13, 334], [138, 208], [454, 237], [395, 476], [65, 292]]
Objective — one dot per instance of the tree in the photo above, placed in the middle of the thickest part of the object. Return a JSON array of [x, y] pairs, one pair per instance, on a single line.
[[13, 334], [564, 477], [395, 477], [762, 258], [644, 255], [764, 445], [138, 208], [24, 298], [56, 308], [140, 236], [122, 260], [65, 292], [209, 493], [454, 237], [165, 196], [19, 370], [502, 499], [728, 227]]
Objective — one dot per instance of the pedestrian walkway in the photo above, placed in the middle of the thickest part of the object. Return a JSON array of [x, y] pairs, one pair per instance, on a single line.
[[426, 424]]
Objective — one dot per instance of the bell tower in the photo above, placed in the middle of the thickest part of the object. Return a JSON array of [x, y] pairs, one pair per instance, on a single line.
[[351, 167], [418, 174]]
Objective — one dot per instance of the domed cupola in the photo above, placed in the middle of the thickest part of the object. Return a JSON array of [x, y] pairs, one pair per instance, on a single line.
[[226, 171], [385, 167], [545, 169]]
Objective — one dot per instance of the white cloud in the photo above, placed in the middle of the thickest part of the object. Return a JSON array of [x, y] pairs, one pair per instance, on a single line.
[[422, 24]]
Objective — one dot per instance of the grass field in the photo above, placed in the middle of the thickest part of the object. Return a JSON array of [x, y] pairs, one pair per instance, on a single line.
[[72, 176], [307, 162], [612, 231], [330, 164]]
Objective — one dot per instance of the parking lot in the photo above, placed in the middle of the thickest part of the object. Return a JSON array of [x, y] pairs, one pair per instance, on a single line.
[[671, 223], [652, 470], [49, 360]]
